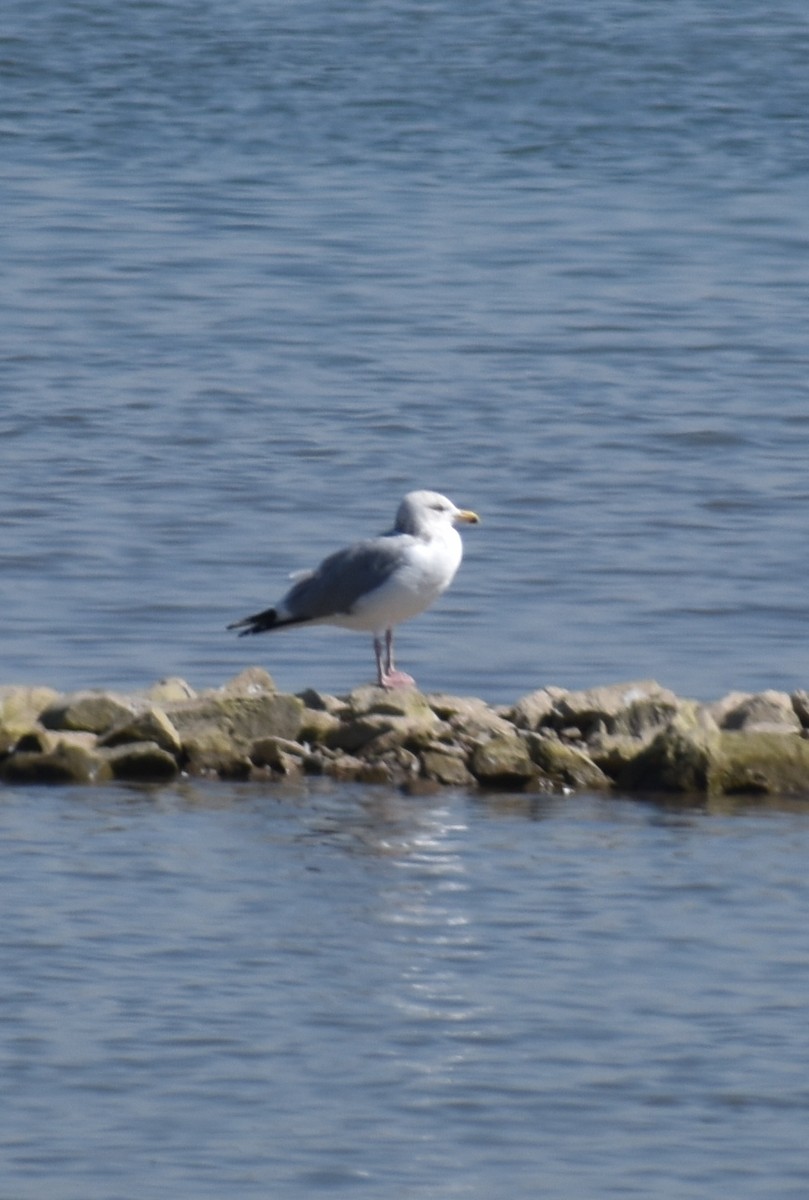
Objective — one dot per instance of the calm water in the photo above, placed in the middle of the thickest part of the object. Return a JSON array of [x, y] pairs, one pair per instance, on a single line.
[[220, 992], [266, 267]]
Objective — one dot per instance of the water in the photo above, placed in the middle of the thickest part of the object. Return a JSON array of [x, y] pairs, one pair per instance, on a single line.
[[265, 268], [220, 992]]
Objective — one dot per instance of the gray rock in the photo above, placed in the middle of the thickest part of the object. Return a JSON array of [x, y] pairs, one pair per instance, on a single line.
[[67, 762], [151, 725], [764, 712], [143, 762], [22, 706], [92, 711], [800, 703], [279, 754], [502, 761], [169, 691], [444, 765], [680, 758], [537, 708], [252, 681], [211, 752], [564, 765], [635, 709], [245, 718]]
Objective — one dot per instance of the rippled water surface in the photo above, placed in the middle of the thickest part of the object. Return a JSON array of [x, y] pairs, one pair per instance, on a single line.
[[217, 991], [268, 266]]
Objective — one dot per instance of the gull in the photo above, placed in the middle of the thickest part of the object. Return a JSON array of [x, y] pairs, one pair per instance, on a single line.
[[375, 584]]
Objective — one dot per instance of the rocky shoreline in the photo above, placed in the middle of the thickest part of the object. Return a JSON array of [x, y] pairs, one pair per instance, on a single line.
[[627, 737]]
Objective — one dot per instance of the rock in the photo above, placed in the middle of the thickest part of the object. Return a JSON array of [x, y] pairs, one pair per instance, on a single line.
[[151, 725], [502, 762], [800, 704], [317, 725], [170, 691], [21, 706], [143, 762], [534, 710], [323, 702], [761, 762], [467, 720], [765, 712], [564, 765], [279, 754], [39, 740], [400, 702], [399, 729], [212, 752], [252, 681], [245, 718], [679, 758], [637, 709], [447, 766], [448, 708], [343, 767], [93, 712], [67, 762]]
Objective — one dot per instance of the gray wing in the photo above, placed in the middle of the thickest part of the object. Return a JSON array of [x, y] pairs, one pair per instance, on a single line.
[[344, 577]]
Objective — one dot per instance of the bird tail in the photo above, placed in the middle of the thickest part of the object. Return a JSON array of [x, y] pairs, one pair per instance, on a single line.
[[258, 623]]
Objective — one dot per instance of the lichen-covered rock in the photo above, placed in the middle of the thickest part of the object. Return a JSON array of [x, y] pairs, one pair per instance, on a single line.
[[764, 712], [565, 765], [92, 712], [323, 701], [398, 729], [143, 762], [502, 761], [69, 761], [537, 708], [456, 707], [281, 755], [151, 725], [613, 754], [469, 720], [636, 736], [344, 767], [679, 758], [22, 706], [172, 690], [317, 725], [636, 709], [446, 765], [252, 681], [761, 762], [209, 751], [244, 718], [401, 702], [39, 740]]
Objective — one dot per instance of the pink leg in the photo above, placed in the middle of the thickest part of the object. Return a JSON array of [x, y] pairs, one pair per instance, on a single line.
[[387, 675]]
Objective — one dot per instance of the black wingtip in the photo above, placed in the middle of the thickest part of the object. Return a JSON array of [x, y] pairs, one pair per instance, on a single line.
[[258, 623]]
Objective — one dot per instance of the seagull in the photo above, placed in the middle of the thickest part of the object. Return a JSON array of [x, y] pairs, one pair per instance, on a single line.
[[375, 584]]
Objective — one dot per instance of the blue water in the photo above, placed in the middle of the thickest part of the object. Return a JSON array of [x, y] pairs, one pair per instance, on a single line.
[[213, 992], [266, 267]]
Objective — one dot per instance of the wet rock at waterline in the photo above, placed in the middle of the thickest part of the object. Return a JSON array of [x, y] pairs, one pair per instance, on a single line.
[[635, 736]]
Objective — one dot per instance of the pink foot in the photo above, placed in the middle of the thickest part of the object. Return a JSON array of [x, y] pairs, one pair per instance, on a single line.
[[396, 679]]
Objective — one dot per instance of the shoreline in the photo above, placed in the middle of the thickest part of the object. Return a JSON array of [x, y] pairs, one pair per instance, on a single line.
[[635, 736]]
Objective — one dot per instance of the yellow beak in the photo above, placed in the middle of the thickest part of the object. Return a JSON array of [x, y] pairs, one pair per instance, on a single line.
[[466, 515]]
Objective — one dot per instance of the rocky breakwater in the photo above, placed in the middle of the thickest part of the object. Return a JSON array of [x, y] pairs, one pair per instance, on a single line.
[[629, 737]]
